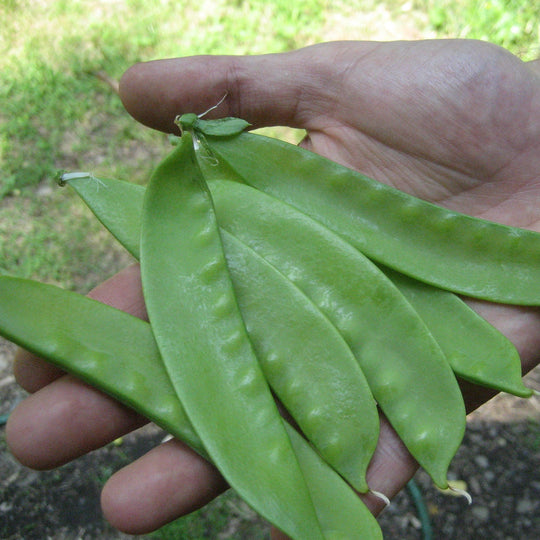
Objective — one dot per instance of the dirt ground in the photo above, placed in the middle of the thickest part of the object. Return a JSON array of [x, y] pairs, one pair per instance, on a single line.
[[499, 463]]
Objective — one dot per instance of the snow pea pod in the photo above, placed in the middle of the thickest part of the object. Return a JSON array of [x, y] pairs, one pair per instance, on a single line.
[[404, 366], [447, 249], [316, 377], [117, 353], [481, 354], [107, 348], [118, 208], [117, 205], [205, 348], [307, 363]]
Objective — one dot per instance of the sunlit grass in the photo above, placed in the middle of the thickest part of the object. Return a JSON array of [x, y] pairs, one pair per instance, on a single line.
[[51, 52], [513, 24]]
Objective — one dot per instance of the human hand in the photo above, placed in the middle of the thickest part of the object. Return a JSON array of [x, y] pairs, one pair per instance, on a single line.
[[454, 122]]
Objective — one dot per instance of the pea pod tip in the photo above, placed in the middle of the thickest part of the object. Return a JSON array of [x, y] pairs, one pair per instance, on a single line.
[[382, 497], [63, 177]]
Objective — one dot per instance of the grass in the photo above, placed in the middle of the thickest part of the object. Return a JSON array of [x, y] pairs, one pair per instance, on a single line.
[[65, 246], [58, 113], [56, 110], [227, 517], [513, 24]]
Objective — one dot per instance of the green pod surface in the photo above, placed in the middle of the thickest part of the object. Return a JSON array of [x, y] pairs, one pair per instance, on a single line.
[[307, 363], [404, 366], [204, 345], [476, 351], [117, 353], [117, 205], [447, 249], [305, 360], [484, 356], [109, 349]]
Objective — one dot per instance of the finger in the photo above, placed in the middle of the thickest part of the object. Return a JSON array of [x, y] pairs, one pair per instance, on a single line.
[[168, 482], [521, 325], [391, 467], [264, 90], [534, 66], [122, 291], [65, 420], [33, 373]]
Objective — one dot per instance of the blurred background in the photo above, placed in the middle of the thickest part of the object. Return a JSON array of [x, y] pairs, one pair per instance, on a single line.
[[60, 61]]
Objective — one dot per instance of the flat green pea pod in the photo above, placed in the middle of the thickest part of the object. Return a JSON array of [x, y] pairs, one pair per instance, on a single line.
[[316, 377], [116, 204], [109, 349], [404, 366], [307, 363], [117, 353], [205, 348], [483, 356], [446, 249], [121, 218], [476, 351]]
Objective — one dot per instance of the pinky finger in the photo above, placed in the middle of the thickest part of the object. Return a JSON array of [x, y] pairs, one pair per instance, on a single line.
[[168, 482]]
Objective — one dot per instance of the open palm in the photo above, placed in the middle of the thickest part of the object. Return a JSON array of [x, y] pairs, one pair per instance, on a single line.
[[454, 122]]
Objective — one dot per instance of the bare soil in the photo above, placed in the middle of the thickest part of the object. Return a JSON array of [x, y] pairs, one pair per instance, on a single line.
[[499, 464]]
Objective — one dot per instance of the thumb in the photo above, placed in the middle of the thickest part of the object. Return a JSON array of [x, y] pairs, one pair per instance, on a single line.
[[263, 90]]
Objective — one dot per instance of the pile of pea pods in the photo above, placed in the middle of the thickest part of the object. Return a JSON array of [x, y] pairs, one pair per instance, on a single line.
[[274, 277]]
